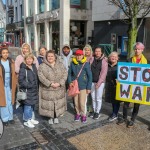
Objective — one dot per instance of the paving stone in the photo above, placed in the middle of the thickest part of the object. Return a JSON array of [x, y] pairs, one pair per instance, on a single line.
[[70, 135], [113, 137]]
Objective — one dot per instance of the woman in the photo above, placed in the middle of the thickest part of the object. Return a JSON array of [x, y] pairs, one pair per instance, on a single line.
[[99, 66], [110, 87], [28, 82], [42, 53], [84, 82], [88, 53], [52, 75], [20, 58], [138, 58], [8, 86]]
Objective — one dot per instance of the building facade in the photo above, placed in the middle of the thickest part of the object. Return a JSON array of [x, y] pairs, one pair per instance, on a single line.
[[15, 22], [53, 23], [109, 27], [2, 21]]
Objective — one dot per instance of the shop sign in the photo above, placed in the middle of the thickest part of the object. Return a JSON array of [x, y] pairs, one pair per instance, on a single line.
[[46, 15], [133, 83]]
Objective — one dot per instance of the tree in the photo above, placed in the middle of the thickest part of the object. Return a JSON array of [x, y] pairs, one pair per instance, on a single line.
[[133, 9]]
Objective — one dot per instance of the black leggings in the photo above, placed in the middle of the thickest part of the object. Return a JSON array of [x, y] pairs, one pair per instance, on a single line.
[[134, 112]]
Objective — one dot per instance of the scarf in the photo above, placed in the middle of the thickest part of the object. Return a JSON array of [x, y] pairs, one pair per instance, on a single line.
[[143, 60], [74, 60]]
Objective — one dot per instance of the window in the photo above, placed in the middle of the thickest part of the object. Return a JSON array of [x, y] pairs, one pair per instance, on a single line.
[[41, 6], [54, 4], [31, 35], [42, 34], [16, 13], [30, 7], [55, 36], [81, 4], [21, 13]]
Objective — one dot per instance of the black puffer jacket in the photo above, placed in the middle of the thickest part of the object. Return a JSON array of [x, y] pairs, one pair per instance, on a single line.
[[31, 84], [110, 85]]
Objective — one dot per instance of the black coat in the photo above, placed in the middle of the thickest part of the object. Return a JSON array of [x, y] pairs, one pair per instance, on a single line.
[[31, 84], [110, 85]]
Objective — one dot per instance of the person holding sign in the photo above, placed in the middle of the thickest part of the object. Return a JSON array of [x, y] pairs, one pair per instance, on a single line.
[[110, 87], [99, 66], [139, 59]]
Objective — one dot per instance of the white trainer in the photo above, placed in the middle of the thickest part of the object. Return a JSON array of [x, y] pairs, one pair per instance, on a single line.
[[56, 120], [29, 124], [50, 121], [33, 121]]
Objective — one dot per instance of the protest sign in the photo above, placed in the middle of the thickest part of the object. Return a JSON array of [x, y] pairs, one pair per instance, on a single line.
[[133, 83]]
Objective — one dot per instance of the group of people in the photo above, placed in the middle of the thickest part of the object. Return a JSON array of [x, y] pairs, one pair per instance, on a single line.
[[45, 80]]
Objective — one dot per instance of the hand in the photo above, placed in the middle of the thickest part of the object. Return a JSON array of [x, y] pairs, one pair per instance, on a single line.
[[117, 81], [53, 85], [96, 86], [57, 85], [88, 91], [71, 84]]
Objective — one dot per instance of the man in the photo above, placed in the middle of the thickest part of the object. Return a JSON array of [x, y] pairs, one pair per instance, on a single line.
[[66, 56], [140, 59]]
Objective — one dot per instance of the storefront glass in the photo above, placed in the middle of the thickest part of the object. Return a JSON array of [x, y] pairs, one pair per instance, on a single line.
[[41, 6], [77, 33], [30, 7], [31, 35], [55, 36], [2, 35], [81, 4], [42, 34], [54, 4]]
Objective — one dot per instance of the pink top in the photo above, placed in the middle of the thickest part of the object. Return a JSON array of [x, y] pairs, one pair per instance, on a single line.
[[20, 59], [103, 73]]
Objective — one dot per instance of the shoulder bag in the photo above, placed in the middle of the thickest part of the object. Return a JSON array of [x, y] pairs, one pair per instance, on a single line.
[[74, 89], [21, 95]]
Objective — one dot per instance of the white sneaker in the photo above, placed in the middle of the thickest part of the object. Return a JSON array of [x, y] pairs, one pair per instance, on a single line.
[[34, 121], [50, 121], [56, 120], [29, 124]]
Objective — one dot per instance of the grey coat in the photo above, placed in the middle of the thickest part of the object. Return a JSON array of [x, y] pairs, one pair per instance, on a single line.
[[52, 100]]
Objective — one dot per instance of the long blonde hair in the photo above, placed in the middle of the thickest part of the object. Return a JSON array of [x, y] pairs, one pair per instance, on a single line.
[[88, 46]]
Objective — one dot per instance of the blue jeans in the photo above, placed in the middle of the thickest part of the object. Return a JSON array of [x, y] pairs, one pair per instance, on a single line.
[[27, 112], [6, 113]]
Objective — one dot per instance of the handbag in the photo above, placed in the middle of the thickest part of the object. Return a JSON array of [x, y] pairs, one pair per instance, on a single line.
[[74, 89], [21, 95]]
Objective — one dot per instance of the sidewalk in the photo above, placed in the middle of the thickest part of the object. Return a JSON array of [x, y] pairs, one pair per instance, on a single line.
[[70, 135]]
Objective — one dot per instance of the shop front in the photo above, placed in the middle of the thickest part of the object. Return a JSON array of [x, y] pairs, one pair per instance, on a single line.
[[77, 34], [2, 30], [55, 36]]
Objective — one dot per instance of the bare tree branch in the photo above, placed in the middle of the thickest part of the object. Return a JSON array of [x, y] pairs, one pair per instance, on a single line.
[[133, 8]]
